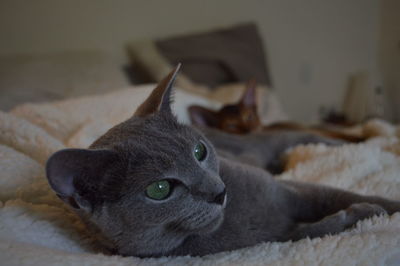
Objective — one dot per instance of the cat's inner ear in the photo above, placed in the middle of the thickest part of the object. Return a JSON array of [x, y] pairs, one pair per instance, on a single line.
[[203, 117], [69, 167], [160, 98], [249, 95]]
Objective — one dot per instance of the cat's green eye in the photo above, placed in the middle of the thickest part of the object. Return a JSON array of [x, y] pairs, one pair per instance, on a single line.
[[158, 190], [200, 151]]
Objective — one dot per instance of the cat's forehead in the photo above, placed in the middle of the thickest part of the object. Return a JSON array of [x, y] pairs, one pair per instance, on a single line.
[[156, 131], [161, 128]]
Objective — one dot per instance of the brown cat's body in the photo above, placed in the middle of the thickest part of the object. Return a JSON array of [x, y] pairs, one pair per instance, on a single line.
[[243, 118]]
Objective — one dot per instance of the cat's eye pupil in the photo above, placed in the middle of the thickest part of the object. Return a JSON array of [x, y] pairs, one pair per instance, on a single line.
[[200, 152], [158, 190]]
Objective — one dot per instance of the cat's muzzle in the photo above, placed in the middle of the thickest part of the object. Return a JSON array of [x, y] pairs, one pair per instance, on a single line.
[[220, 198]]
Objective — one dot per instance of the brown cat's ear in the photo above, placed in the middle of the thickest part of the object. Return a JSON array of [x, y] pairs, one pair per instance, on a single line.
[[249, 96], [68, 172], [203, 117], [160, 98]]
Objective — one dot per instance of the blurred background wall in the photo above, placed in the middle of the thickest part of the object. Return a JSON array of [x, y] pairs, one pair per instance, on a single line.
[[312, 45], [389, 52]]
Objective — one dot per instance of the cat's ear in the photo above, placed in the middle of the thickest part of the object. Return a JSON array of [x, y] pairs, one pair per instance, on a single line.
[[249, 96], [203, 117], [160, 97], [70, 171]]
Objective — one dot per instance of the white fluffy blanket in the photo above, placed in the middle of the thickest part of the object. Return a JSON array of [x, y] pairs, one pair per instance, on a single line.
[[36, 228]]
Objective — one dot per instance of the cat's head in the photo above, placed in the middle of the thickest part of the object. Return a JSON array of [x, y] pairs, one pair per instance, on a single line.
[[147, 184], [239, 118]]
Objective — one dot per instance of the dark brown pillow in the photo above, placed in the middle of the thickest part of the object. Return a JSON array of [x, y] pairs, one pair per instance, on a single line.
[[217, 57]]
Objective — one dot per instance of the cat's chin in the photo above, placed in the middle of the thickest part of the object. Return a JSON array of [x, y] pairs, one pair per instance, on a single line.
[[214, 222], [212, 225]]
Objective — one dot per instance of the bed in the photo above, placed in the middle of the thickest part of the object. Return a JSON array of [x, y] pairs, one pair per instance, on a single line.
[[36, 228]]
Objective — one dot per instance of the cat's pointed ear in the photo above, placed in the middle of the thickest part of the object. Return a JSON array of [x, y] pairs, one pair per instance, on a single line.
[[203, 117], [73, 173], [160, 97], [249, 95]]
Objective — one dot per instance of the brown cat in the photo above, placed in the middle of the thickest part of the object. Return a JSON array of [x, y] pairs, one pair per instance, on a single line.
[[242, 118], [238, 118]]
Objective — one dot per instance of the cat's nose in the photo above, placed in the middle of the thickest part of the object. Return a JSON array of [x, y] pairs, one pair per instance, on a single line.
[[220, 198]]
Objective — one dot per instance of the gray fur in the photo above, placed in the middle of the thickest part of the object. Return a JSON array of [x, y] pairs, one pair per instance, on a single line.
[[105, 185], [264, 149]]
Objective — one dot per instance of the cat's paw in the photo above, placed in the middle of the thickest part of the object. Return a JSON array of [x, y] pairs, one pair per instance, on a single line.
[[338, 222], [361, 211]]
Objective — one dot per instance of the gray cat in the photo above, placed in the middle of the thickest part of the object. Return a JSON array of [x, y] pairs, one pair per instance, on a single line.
[[153, 187]]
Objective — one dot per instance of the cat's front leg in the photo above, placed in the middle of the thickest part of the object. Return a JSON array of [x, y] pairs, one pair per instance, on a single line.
[[310, 203], [336, 223]]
